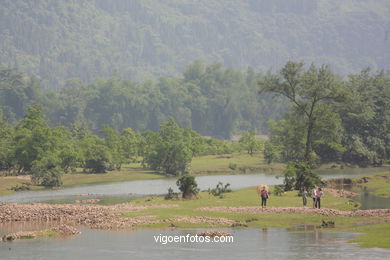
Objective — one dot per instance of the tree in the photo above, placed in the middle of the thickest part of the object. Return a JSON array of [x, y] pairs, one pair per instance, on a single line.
[[96, 155], [46, 171], [366, 119], [114, 142], [188, 186], [31, 139], [249, 142], [271, 152], [6, 144], [130, 143], [307, 91], [173, 152], [299, 175]]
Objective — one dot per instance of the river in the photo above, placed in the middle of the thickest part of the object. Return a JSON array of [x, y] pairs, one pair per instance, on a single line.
[[249, 243], [125, 191]]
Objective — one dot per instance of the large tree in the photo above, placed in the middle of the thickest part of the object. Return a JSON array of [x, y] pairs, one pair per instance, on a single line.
[[308, 92], [172, 153]]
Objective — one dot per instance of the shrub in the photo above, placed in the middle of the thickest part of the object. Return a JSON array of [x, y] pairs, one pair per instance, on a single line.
[[233, 166], [188, 186], [171, 195], [279, 190], [219, 189]]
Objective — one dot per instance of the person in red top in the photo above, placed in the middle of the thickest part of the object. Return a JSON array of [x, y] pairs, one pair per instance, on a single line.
[[319, 195], [264, 196]]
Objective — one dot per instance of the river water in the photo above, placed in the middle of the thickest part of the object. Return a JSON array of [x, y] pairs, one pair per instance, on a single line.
[[125, 191], [140, 244], [250, 243]]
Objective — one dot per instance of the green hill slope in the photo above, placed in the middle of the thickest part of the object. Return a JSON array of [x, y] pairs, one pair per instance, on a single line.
[[139, 40]]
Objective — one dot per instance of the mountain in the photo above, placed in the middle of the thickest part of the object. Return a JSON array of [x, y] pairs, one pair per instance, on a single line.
[[139, 40]]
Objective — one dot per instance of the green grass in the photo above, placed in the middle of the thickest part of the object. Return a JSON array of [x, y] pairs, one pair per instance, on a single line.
[[243, 197], [375, 235], [248, 197], [379, 184], [128, 174], [217, 164], [6, 183], [203, 165], [47, 233]]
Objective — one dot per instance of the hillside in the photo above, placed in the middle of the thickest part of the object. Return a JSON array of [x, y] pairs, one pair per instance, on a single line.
[[138, 40]]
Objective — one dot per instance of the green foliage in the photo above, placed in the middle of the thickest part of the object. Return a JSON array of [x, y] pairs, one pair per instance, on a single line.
[[279, 190], [299, 175], [330, 121], [220, 189], [308, 92], [187, 185], [232, 166], [46, 171], [171, 195], [209, 104], [144, 39], [173, 152], [271, 152], [365, 118], [6, 144], [97, 158], [249, 142]]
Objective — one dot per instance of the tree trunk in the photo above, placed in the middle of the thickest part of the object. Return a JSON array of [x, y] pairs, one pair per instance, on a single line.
[[308, 140]]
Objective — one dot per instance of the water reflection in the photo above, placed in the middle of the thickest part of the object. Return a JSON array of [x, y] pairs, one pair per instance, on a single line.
[[248, 244]]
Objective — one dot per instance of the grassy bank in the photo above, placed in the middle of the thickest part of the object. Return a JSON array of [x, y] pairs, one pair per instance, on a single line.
[[241, 198], [248, 197], [378, 184], [203, 165], [233, 163]]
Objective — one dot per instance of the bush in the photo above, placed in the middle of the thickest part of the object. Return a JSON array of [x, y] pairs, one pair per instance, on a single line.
[[97, 159], [232, 166], [219, 189], [45, 172], [171, 195], [299, 175], [188, 186], [279, 190]]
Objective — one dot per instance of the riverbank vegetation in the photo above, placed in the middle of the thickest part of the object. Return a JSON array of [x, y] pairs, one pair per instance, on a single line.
[[330, 120], [379, 184], [242, 207], [200, 165]]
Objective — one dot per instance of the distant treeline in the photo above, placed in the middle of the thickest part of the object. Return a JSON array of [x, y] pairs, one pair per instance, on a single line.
[[33, 147], [213, 101]]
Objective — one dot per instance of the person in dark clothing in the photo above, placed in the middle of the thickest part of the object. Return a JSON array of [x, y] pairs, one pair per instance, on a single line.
[[319, 195], [264, 196]]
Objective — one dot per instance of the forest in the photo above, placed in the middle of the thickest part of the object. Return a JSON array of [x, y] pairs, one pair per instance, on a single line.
[[109, 122], [130, 80], [143, 40]]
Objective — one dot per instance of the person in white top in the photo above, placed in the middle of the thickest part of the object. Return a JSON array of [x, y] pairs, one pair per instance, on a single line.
[[314, 196]]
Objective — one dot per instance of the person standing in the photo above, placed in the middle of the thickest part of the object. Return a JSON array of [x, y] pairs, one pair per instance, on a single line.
[[264, 196], [304, 196], [314, 196], [319, 195]]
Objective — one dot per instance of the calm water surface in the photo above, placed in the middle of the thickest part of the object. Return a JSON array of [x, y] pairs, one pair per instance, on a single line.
[[140, 244], [125, 191]]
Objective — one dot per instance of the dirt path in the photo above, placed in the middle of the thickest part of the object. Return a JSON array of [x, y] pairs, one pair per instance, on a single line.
[[94, 216], [301, 210], [110, 217]]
